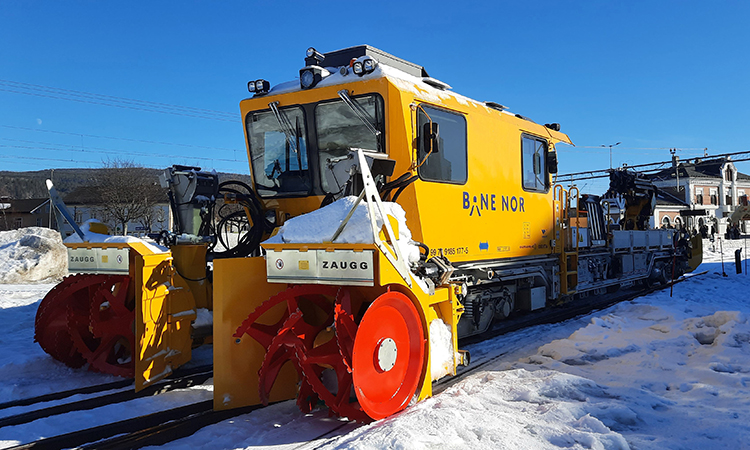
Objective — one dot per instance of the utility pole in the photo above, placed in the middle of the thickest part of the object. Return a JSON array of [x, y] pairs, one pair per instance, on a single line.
[[610, 152]]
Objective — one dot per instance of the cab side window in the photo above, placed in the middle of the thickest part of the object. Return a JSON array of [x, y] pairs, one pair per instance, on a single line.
[[442, 141], [533, 164]]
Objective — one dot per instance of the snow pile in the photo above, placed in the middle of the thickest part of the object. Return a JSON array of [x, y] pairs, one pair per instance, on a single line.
[[32, 255], [90, 236], [441, 349], [320, 225]]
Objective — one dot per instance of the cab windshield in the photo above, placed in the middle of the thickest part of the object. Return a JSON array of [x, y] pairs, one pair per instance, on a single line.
[[340, 130], [278, 144], [278, 148]]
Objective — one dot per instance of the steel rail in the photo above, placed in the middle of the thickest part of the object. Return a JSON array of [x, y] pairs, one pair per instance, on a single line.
[[94, 389], [107, 399]]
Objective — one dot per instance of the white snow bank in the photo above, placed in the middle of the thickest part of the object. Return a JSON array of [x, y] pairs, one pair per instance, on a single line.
[[319, 226], [107, 239], [441, 349], [32, 255]]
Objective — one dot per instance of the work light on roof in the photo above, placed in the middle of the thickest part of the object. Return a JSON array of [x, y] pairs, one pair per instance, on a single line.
[[313, 57], [310, 76], [307, 79], [369, 65], [258, 87], [364, 65]]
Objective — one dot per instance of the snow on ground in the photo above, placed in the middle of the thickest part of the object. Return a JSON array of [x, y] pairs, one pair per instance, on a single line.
[[658, 372]]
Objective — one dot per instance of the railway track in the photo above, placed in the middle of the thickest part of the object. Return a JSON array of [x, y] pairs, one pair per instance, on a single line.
[[165, 426]]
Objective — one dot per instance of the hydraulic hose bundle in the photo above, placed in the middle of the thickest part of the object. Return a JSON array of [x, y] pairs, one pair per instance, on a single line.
[[242, 213]]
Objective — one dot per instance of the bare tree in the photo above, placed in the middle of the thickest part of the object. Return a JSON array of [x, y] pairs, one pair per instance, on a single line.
[[128, 192], [152, 194]]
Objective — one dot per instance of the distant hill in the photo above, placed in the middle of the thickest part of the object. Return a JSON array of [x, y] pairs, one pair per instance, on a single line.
[[27, 185]]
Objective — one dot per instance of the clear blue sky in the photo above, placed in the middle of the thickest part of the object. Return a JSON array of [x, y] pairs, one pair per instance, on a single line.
[[649, 74]]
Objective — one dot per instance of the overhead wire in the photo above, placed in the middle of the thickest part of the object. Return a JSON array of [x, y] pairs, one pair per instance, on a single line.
[[119, 102], [103, 150], [142, 141]]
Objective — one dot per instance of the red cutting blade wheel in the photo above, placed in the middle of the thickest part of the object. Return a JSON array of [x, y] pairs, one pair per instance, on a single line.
[[102, 328], [51, 325], [388, 355], [303, 337]]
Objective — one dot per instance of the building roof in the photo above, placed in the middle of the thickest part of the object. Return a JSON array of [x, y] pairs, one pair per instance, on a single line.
[[25, 206], [710, 168], [670, 196]]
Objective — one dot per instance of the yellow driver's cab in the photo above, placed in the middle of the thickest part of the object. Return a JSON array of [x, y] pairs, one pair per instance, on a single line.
[[473, 178]]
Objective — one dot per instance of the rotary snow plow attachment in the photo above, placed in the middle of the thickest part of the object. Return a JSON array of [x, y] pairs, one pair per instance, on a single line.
[[127, 312], [346, 324], [362, 346]]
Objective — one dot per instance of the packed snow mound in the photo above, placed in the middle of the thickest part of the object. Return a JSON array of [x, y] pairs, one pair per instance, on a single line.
[[319, 226], [90, 236], [32, 255]]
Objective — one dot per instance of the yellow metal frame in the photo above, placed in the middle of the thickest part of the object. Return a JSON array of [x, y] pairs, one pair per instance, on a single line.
[[165, 304]]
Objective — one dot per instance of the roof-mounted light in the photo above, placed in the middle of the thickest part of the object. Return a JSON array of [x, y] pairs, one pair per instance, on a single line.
[[369, 65], [259, 87], [364, 65], [311, 76], [313, 57]]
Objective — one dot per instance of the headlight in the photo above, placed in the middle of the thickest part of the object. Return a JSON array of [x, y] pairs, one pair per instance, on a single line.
[[311, 75], [357, 68], [369, 65], [259, 87], [306, 79]]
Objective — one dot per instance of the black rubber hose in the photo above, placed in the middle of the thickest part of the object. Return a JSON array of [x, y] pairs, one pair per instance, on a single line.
[[422, 256]]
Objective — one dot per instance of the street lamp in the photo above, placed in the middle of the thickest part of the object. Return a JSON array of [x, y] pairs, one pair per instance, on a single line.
[[610, 152]]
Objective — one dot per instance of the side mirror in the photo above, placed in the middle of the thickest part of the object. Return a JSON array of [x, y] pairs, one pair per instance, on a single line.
[[552, 162], [430, 137]]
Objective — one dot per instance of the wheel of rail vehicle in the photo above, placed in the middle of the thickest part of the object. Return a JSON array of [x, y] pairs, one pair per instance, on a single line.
[[388, 355], [101, 318]]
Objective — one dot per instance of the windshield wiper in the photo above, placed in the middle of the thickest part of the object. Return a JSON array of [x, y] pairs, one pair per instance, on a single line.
[[286, 126], [361, 113]]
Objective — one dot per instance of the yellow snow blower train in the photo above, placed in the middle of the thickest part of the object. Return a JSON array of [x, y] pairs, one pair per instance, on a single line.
[[461, 225]]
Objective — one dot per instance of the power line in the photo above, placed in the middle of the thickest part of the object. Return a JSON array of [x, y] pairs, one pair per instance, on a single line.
[[649, 167], [599, 147], [111, 152], [105, 150], [142, 141], [91, 164], [111, 97], [103, 100]]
